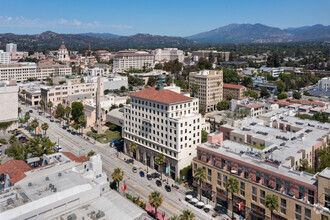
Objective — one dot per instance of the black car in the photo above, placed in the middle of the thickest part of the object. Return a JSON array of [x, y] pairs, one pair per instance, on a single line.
[[158, 183], [69, 130], [31, 111], [155, 175], [168, 188], [73, 133], [134, 170], [149, 177]]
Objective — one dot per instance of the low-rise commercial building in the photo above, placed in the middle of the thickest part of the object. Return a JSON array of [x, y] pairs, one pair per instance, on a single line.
[[233, 91]]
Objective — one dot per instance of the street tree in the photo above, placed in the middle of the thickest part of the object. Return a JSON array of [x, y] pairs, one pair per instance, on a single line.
[[12, 139], [44, 127], [223, 105], [160, 160], [77, 109], [34, 125], [200, 175], [60, 111], [155, 200], [133, 148], [187, 215], [232, 188], [117, 176], [282, 96], [271, 203], [204, 135], [42, 104], [50, 105], [264, 93], [296, 95], [202, 110]]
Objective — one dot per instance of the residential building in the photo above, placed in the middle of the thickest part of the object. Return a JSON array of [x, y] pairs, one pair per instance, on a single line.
[[210, 83], [162, 121], [233, 91], [168, 54], [300, 195], [252, 107], [64, 187], [63, 53], [23, 71], [126, 60], [4, 57], [11, 48], [9, 105], [260, 82], [218, 55]]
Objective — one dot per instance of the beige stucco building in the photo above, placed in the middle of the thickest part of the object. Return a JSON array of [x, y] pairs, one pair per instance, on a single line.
[[237, 91]]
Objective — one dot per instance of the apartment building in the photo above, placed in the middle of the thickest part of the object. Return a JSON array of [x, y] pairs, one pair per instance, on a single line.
[[167, 54], [234, 91], [300, 195], [206, 54], [4, 57], [132, 59], [162, 121], [9, 104], [11, 48], [252, 107], [210, 84], [23, 71]]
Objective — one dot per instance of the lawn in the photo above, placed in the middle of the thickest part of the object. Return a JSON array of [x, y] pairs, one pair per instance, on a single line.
[[106, 137]]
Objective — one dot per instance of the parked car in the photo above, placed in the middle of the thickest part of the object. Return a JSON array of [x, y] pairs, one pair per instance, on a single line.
[[23, 140], [0, 145], [134, 170], [155, 175], [73, 133], [31, 111], [0, 152], [58, 148], [52, 119], [168, 188], [141, 174], [175, 186], [158, 183], [69, 130], [149, 177]]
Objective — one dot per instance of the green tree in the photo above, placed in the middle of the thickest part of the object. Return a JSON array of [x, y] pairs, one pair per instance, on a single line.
[[280, 86], [77, 110], [251, 93], [187, 215], [247, 82], [271, 204], [232, 188], [204, 136], [60, 111], [26, 117], [175, 217], [113, 107], [42, 104], [282, 96], [128, 101], [67, 111], [321, 117], [24, 93], [223, 105], [158, 66], [47, 146], [296, 95], [152, 81], [117, 176], [34, 125], [200, 175], [202, 110], [230, 76], [19, 110], [50, 105], [121, 105], [91, 153], [306, 93], [130, 88], [155, 200], [194, 89], [12, 139], [45, 127], [133, 148], [264, 93], [230, 96], [123, 89], [18, 151], [160, 160], [106, 91]]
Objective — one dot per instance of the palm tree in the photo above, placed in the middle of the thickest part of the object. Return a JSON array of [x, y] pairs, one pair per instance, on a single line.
[[82, 121], [34, 125], [232, 187], [42, 104], [50, 105], [45, 127], [200, 175], [24, 93], [160, 160], [187, 215], [117, 176], [155, 200], [271, 204], [133, 148], [67, 111], [12, 139], [175, 217]]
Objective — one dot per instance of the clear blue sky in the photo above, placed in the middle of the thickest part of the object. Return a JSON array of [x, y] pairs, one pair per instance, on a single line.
[[162, 17]]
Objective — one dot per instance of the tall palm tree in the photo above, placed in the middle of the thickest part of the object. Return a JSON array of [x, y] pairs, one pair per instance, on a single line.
[[160, 160], [34, 125], [271, 204], [117, 176], [50, 105], [200, 175], [155, 200], [42, 104], [187, 215], [67, 111], [232, 187], [24, 93], [133, 148], [175, 217], [12, 139], [45, 127]]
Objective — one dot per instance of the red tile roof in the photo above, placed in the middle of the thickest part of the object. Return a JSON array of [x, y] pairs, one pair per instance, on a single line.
[[16, 170], [163, 96], [306, 102], [80, 159], [232, 86]]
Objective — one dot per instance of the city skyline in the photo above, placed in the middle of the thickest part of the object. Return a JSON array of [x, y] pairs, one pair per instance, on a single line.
[[173, 19]]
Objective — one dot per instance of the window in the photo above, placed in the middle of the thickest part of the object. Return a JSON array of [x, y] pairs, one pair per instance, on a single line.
[[298, 208], [258, 176], [219, 179], [301, 192], [262, 197], [195, 166], [239, 169], [307, 213], [246, 172], [224, 180], [286, 187], [266, 180], [278, 184], [254, 193], [242, 189], [298, 217], [326, 200]]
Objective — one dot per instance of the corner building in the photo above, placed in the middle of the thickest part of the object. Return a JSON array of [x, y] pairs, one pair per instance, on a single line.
[[162, 121]]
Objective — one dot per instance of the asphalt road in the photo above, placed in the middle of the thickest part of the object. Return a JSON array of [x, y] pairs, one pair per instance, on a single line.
[[136, 185]]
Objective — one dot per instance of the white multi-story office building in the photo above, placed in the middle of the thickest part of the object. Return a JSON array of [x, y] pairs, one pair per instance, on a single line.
[[4, 57], [11, 48], [162, 121], [23, 71], [167, 54], [9, 104], [126, 60]]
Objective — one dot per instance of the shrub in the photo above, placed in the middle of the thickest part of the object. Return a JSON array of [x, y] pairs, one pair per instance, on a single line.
[[3, 141]]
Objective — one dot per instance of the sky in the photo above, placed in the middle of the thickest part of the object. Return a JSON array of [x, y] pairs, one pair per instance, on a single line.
[[160, 17]]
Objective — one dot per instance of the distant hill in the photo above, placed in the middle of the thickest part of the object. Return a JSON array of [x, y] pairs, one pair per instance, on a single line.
[[101, 35], [259, 33], [51, 40]]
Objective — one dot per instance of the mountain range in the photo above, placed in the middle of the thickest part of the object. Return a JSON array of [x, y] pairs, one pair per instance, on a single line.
[[233, 33]]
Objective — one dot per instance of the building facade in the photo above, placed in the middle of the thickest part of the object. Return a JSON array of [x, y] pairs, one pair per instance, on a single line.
[[233, 91], [210, 83], [4, 57], [162, 121], [168, 54], [9, 104], [11, 48], [63, 53], [126, 60]]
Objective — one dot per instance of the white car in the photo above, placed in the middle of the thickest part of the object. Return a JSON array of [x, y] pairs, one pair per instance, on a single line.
[[58, 148]]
